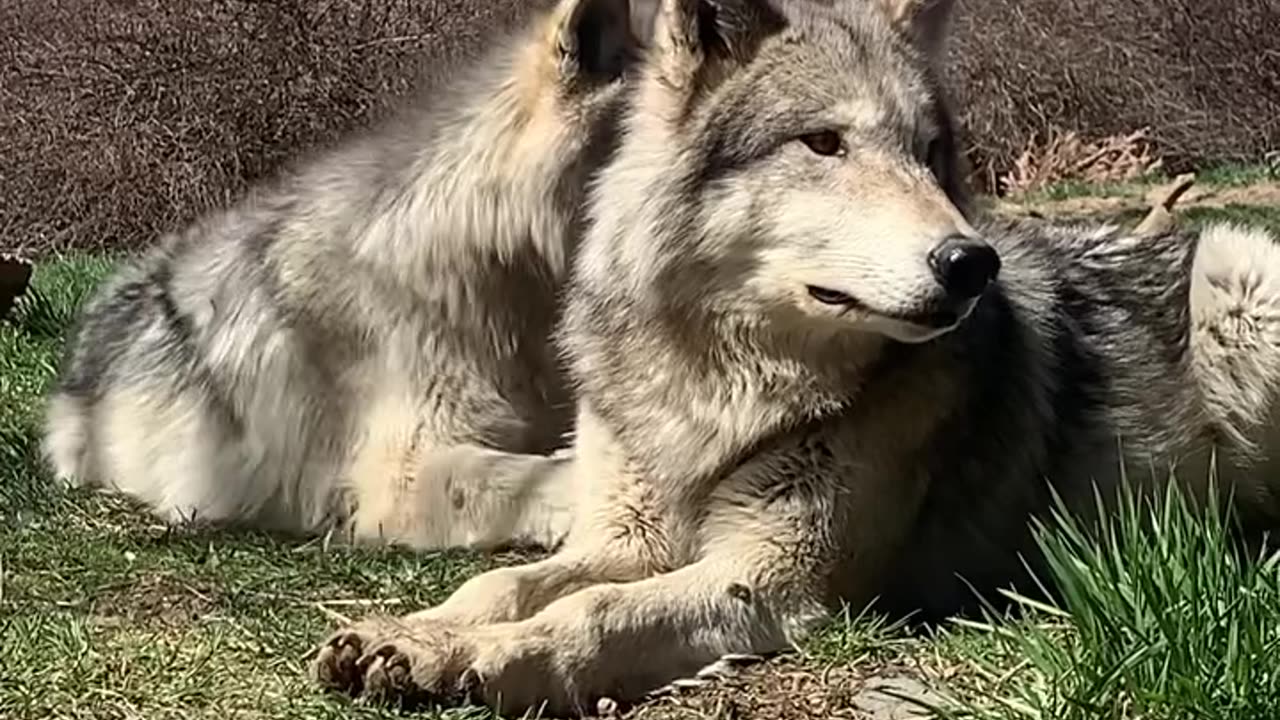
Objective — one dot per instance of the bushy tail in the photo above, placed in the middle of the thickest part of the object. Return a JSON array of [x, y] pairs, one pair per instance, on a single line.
[[1235, 315], [65, 446]]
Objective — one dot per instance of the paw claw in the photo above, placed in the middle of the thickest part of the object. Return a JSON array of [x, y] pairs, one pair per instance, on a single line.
[[677, 686], [724, 668], [386, 651], [365, 663], [389, 678], [346, 640], [728, 666], [378, 685], [335, 665], [470, 685], [323, 667], [607, 707], [398, 675]]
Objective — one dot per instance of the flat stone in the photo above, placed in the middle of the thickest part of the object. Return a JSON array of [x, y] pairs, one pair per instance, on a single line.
[[882, 698]]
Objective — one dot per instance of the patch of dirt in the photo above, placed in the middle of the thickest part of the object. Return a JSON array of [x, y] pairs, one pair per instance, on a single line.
[[1198, 196], [154, 600], [789, 689]]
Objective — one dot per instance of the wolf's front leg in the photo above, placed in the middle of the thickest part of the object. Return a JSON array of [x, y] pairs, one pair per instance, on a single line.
[[617, 641], [761, 580]]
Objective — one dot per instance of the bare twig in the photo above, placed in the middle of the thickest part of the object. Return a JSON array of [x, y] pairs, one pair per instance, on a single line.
[[1160, 219], [332, 614]]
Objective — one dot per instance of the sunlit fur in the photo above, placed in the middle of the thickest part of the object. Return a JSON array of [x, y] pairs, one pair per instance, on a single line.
[[364, 344]]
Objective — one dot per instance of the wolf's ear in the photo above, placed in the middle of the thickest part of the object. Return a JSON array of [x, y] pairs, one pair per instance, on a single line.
[[926, 22], [593, 37], [690, 35], [643, 15]]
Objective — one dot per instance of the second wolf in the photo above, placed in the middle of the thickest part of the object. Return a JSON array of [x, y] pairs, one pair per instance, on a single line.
[[806, 376], [365, 343]]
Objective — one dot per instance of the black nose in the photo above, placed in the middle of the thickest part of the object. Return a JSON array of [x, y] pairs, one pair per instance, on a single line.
[[964, 266]]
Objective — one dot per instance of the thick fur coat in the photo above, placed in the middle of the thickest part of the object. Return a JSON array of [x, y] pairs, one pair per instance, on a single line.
[[806, 376], [363, 346]]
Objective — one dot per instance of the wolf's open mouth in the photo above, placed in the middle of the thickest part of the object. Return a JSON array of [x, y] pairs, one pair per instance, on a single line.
[[931, 318]]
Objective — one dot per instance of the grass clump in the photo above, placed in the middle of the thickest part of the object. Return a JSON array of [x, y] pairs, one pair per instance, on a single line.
[[1159, 615]]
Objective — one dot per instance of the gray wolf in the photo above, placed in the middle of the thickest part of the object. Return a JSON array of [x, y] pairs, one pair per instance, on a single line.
[[807, 377], [363, 346]]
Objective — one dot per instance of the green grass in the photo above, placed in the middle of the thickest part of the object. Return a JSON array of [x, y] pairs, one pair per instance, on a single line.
[[105, 614], [1159, 618], [1265, 216], [1073, 189], [1238, 175]]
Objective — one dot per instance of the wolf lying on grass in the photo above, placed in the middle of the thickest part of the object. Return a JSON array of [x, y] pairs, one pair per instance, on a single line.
[[365, 345], [805, 377]]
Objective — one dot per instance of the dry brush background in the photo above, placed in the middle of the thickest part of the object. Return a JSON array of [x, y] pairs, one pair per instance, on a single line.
[[120, 119]]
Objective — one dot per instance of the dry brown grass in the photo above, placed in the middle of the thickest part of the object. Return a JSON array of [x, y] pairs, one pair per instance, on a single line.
[[788, 689], [1068, 157]]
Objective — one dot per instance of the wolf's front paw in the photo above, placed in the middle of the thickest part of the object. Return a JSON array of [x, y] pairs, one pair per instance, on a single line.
[[391, 661], [408, 665], [334, 666]]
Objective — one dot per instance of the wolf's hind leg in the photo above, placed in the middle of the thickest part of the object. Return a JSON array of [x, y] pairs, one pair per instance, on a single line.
[[464, 496], [164, 447]]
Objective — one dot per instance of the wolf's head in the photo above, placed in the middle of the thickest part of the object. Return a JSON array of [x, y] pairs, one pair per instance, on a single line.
[[794, 160]]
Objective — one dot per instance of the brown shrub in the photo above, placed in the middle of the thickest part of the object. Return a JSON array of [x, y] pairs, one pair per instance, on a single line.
[[120, 119], [1202, 77]]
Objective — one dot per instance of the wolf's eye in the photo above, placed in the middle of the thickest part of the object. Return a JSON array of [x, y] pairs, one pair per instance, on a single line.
[[826, 142]]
